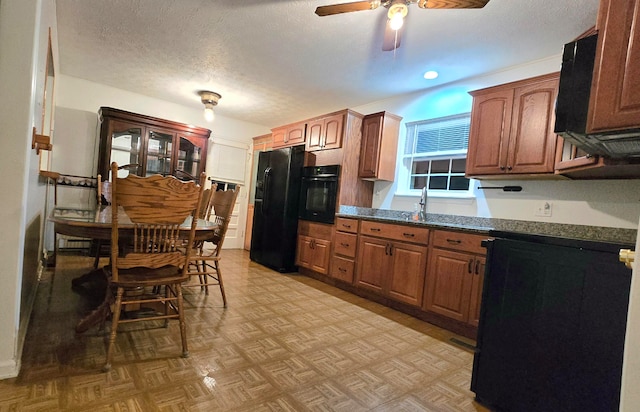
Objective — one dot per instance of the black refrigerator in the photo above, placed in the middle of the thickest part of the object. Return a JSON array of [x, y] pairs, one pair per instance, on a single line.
[[275, 216]]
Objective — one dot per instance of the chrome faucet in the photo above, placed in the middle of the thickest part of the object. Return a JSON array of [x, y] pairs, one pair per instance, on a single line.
[[423, 205]]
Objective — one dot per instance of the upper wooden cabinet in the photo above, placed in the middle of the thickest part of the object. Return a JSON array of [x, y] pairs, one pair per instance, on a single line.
[[325, 132], [512, 128], [575, 163], [291, 135], [615, 92], [150, 145], [379, 146]]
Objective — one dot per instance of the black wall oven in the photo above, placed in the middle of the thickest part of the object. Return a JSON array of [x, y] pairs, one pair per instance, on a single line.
[[318, 193]]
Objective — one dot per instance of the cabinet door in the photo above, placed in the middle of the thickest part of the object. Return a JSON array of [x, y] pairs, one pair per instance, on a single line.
[[314, 134], [532, 142], [569, 157], [476, 291], [372, 263], [321, 254], [304, 252], [296, 134], [325, 133], [489, 133], [279, 137], [123, 146], [615, 95], [407, 271], [313, 254], [190, 158], [449, 284], [159, 152], [370, 148], [333, 132]]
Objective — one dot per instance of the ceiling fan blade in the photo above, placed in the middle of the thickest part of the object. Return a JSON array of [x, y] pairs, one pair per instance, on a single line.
[[391, 39], [346, 7], [452, 4]]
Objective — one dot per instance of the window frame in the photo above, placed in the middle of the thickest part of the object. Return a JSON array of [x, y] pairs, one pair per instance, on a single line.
[[405, 177]]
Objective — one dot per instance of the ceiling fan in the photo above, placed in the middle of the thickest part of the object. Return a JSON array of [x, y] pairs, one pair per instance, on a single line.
[[398, 10]]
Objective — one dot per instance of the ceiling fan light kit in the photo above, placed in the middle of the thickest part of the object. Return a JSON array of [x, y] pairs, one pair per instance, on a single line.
[[397, 11]]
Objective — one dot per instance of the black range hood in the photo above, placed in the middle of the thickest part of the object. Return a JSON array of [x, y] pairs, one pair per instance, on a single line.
[[572, 105]]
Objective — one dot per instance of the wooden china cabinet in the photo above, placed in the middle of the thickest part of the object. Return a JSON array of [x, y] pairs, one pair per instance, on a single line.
[[147, 145]]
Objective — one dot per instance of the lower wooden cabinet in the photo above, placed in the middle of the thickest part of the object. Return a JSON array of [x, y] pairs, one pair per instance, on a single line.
[[313, 254], [314, 246], [434, 274], [343, 262], [392, 268], [455, 276]]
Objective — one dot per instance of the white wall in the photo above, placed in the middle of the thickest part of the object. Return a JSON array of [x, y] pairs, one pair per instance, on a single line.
[[612, 203], [23, 43]]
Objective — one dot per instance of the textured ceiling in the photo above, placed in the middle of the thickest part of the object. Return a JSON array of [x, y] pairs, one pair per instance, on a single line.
[[275, 61]]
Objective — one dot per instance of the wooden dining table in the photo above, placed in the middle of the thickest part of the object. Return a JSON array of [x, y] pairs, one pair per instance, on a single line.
[[95, 223]]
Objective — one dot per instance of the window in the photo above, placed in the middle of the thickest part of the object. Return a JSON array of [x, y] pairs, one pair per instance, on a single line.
[[436, 153]]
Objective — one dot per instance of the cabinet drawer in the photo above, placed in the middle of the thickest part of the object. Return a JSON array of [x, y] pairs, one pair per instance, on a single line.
[[345, 244], [347, 225], [459, 241], [412, 234], [342, 269], [313, 229]]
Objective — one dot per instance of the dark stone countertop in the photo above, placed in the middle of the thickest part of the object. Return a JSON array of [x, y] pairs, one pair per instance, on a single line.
[[485, 225]]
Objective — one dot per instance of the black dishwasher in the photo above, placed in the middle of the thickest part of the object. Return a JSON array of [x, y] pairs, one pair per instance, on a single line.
[[552, 325]]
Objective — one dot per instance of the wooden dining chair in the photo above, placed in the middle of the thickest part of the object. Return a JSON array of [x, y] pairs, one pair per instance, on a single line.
[[206, 261], [103, 198], [157, 207]]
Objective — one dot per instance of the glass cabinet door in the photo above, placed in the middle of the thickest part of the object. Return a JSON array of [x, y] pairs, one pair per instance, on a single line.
[[159, 149], [189, 160], [125, 147]]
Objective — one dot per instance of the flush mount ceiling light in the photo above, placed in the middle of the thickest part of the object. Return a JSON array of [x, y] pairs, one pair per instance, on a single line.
[[209, 99]]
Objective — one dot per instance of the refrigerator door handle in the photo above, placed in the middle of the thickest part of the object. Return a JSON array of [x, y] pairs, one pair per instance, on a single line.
[[267, 183]]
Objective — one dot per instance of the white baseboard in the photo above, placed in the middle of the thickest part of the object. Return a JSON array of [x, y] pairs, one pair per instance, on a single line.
[[9, 369]]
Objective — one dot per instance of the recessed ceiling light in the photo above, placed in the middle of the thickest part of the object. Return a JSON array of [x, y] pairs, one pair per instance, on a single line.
[[431, 74]]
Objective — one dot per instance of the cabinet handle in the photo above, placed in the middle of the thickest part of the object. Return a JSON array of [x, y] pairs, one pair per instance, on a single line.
[[502, 167], [408, 235], [509, 167], [375, 229], [344, 244], [386, 249], [454, 241], [343, 270], [347, 226], [312, 244], [390, 249], [477, 267], [470, 268]]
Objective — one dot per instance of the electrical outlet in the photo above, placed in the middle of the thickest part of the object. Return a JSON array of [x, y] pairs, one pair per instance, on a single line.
[[543, 209]]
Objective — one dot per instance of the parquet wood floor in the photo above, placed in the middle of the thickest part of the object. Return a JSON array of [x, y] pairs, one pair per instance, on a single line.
[[284, 343]]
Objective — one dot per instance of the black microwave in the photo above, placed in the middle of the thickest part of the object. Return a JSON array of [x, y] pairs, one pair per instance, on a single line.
[[318, 193], [574, 90], [572, 105]]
